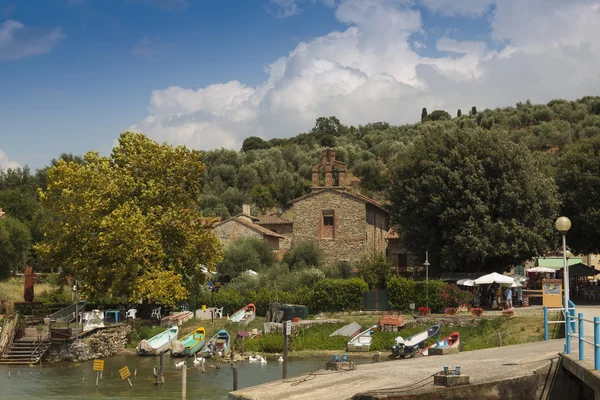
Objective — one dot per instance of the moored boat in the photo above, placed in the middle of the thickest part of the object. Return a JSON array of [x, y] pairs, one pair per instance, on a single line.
[[189, 345], [362, 341], [159, 343], [452, 340], [410, 346], [244, 315], [218, 344]]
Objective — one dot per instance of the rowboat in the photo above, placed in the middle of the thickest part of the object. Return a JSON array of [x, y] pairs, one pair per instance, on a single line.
[[452, 340], [159, 343], [218, 344], [189, 345], [362, 341], [244, 315], [410, 346]]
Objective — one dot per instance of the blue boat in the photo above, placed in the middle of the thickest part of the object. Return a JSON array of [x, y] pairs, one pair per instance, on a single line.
[[218, 344], [159, 343]]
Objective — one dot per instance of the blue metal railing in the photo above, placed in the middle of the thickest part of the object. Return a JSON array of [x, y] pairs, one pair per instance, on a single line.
[[574, 328]]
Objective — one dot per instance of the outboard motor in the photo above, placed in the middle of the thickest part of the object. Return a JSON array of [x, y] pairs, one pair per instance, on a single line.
[[398, 348]]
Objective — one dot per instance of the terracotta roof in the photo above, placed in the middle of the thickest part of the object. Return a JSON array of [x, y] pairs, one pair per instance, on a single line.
[[392, 234], [208, 220], [356, 196], [272, 220], [246, 215], [254, 227]]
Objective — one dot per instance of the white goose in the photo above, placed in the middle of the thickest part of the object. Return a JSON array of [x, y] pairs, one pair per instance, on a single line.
[[198, 361], [263, 360], [180, 364], [280, 359], [254, 359]]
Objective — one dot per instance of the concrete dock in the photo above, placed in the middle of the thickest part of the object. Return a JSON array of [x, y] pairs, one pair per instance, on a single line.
[[401, 378]]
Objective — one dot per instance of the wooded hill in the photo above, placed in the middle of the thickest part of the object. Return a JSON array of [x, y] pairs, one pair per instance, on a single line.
[[269, 173]]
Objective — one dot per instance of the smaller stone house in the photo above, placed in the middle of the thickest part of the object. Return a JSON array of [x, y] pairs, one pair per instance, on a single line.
[[244, 225], [401, 259], [278, 225]]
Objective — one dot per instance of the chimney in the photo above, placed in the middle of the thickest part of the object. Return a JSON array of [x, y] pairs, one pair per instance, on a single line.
[[246, 209]]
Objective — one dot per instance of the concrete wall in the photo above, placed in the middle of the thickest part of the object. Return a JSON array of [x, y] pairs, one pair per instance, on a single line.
[[352, 236], [230, 230]]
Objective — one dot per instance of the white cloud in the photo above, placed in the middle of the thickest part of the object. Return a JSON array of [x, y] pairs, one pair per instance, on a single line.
[[464, 47], [5, 163], [18, 41], [418, 45], [287, 8], [370, 72], [473, 8]]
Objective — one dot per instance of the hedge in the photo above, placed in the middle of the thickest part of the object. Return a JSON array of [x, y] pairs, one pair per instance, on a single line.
[[403, 291], [339, 294]]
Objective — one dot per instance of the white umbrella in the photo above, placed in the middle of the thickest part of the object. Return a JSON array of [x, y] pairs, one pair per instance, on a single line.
[[541, 269], [466, 282], [494, 277], [516, 284]]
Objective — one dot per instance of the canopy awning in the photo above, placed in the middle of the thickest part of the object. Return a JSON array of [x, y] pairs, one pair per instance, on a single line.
[[494, 277], [556, 263], [466, 282], [580, 269], [541, 270]]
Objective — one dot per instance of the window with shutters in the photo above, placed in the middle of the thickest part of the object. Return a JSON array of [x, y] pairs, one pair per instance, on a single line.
[[328, 224]]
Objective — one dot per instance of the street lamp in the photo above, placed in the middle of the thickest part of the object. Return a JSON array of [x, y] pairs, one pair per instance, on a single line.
[[563, 224], [426, 264]]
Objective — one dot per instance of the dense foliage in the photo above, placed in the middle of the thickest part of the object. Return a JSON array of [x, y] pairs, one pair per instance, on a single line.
[[122, 217], [473, 198]]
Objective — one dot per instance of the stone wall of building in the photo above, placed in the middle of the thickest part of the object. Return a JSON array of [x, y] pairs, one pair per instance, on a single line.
[[230, 230], [350, 238], [287, 231], [376, 227]]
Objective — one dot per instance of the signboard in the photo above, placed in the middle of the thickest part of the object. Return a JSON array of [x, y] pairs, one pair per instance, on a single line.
[[98, 365], [124, 372], [288, 328], [552, 293]]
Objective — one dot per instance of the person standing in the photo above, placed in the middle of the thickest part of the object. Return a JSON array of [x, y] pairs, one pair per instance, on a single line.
[[508, 296]]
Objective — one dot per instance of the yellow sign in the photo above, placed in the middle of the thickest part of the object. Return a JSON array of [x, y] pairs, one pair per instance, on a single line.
[[552, 293], [124, 372], [98, 365]]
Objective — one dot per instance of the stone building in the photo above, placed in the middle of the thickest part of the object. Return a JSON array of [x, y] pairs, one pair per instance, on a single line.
[[278, 225], [344, 225], [244, 225], [402, 261]]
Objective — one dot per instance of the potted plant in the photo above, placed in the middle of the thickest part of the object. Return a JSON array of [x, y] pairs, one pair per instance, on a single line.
[[477, 311], [424, 311], [450, 311]]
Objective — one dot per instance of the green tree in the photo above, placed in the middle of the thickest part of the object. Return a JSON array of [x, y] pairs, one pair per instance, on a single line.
[[438, 115], [135, 212], [303, 255], [423, 114], [458, 113], [473, 111], [245, 254], [254, 143], [472, 198], [15, 246], [578, 177], [375, 270]]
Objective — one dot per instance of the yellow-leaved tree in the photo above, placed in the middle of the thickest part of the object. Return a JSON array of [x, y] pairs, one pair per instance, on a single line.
[[113, 220], [164, 287]]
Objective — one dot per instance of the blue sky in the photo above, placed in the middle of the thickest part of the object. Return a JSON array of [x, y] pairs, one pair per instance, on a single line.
[[207, 73]]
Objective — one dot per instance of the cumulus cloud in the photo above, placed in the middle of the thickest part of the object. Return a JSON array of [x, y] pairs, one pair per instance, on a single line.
[[370, 72], [5, 163], [18, 41], [471, 8]]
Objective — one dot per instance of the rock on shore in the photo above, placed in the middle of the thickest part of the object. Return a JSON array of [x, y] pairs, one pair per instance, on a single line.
[[101, 344]]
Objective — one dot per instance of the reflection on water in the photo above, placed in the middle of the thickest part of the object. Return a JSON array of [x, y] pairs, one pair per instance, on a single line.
[[78, 381]]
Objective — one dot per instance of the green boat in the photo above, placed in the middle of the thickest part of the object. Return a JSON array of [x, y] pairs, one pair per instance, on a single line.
[[159, 343], [189, 345]]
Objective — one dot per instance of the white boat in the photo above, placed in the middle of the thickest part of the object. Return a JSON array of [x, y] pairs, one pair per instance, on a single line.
[[362, 341], [244, 315], [159, 343], [452, 340], [410, 345]]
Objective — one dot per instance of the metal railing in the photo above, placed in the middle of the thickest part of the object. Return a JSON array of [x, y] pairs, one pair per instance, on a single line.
[[574, 329]]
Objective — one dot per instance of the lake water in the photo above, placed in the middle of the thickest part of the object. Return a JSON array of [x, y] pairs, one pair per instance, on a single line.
[[66, 380]]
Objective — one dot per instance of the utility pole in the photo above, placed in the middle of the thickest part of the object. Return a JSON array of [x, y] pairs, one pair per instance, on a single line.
[[426, 264]]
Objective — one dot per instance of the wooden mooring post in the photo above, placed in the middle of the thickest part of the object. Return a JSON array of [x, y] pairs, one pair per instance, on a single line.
[[235, 376], [184, 382]]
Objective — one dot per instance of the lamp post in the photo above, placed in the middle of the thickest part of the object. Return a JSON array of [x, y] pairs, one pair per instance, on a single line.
[[426, 264], [563, 224]]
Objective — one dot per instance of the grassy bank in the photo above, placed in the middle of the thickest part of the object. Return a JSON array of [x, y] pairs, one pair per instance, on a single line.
[[316, 341], [12, 289]]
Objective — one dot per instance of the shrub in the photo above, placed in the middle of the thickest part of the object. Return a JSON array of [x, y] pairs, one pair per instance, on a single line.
[[244, 254], [339, 294], [303, 255], [309, 277], [452, 296], [403, 291], [270, 343], [376, 270], [231, 300], [341, 269]]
